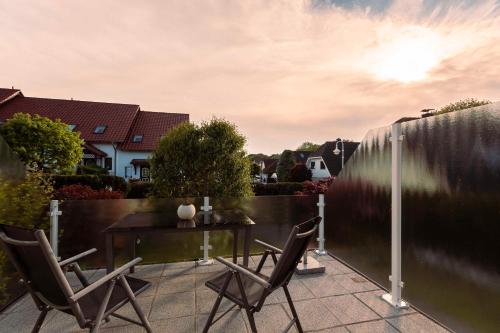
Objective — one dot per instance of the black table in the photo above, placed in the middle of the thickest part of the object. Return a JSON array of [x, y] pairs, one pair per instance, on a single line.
[[136, 224]]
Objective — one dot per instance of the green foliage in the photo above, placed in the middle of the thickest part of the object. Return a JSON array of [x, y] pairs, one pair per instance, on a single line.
[[23, 203], [255, 169], [288, 188], [139, 190], [91, 170], [96, 182], [461, 105], [43, 144], [300, 173], [308, 146], [201, 160], [285, 165]]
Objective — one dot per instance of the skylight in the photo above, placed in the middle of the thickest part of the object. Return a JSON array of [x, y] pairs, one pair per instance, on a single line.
[[137, 138], [100, 129], [72, 127]]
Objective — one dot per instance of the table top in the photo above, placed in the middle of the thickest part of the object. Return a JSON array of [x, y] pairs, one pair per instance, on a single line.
[[170, 222]]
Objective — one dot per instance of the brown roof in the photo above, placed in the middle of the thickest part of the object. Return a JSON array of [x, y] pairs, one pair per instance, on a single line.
[[334, 162], [118, 118], [271, 167], [152, 126], [6, 94], [91, 149]]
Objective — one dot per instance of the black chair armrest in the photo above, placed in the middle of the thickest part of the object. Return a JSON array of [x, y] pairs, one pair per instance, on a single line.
[[268, 246], [244, 271], [77, 257], [114, 274]]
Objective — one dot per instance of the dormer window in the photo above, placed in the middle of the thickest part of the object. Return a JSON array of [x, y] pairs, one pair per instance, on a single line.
[[137, 138], [71, 127], [100, 129]]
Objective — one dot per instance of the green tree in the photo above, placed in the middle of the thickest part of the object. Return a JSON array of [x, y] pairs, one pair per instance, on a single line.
[[461, 105], [43, 144], [202, 160], [308, 146], [255, 169], [285, 165]]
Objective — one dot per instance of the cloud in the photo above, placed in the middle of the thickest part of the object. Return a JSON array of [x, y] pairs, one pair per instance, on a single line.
[[283, 71]]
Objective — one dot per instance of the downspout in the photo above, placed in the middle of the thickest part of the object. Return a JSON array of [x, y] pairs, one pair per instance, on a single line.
[[113, 144]]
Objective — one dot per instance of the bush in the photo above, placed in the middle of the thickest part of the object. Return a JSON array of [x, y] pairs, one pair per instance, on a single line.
[[277, 188], [91, 170], [300, 173], [139, 190], [84, 192], [94, 181], [316, 187]]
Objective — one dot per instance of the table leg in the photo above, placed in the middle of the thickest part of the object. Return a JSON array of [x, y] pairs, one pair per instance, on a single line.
[[132, 251], [246, 245], [235, 246], [110, 260]]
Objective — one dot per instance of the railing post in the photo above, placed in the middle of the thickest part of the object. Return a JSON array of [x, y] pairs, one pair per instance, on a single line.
[[206, 234], [321, 239], [394, 298], [54, 226]]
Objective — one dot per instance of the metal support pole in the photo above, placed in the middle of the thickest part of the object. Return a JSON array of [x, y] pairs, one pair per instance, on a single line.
[[206, 234], [321, 239], [54, 226], [394, 298]]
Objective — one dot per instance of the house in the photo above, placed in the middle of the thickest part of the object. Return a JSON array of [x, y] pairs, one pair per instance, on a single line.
[[118, 137], [323, 163], [268, 167]]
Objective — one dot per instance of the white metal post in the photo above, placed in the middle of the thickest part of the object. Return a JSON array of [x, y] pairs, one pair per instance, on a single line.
[[206, 234], [321, 239], [54, 226], [394, 298]]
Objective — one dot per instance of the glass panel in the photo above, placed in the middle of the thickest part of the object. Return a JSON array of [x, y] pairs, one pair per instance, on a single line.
[[450, 219]]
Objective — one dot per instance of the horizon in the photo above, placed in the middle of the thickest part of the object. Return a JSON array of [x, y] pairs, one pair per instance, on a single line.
[[283, 72]]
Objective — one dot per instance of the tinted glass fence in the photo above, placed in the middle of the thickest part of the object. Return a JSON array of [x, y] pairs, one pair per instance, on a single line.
[[450, 217]]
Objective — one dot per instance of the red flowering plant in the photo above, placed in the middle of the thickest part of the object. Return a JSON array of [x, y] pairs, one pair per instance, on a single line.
[[84, 192], [316, 187]]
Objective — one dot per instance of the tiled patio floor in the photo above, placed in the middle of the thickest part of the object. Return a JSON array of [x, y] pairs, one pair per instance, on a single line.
[[339, 300]]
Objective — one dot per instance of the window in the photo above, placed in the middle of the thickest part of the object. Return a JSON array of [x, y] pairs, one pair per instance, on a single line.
[[321, 165], [108, 163], [72, 127], [137, 138], [100, 129], [313, 165]]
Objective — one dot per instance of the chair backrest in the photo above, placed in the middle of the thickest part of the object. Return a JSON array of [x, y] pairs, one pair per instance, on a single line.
[[294, 249], [31, 254]]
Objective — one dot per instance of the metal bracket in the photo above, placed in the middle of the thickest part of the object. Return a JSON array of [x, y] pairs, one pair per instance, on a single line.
[[401, 283]]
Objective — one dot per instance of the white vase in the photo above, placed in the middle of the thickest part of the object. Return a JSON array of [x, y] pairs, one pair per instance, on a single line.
[[186, 212]]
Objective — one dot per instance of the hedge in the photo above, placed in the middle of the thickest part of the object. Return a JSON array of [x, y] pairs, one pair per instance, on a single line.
[[96, 182], [284, 188], [139, 190]]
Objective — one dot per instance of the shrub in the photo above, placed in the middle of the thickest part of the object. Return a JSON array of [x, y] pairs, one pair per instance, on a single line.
[[316, 187], [277, 188], [139, 190], [84, 192], [94, 181], [91, 170], [300, 173]]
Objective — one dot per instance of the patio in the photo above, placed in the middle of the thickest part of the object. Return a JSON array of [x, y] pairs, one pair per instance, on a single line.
[[338, 301]]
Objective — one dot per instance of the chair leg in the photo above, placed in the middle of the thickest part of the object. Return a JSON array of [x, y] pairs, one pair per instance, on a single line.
[[137, 308], [102, 308], [251, 320], [40, 320], [292, 308], [217, 302]]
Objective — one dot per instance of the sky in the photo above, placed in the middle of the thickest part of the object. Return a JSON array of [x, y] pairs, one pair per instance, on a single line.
[[284, 72]]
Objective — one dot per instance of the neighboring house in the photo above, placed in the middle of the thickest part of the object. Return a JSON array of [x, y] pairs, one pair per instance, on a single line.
[[301, 156], [118, 137], [268, 167], [323, 163]]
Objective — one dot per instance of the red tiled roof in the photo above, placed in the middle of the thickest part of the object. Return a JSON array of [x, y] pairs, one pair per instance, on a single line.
[[6, 94], [86, 116], [152, 126]]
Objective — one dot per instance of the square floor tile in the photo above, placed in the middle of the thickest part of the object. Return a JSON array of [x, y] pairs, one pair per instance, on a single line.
[[373, 299], [348, 309]]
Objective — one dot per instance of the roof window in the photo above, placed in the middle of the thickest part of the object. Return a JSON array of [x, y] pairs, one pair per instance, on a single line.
[[137, 138], [99, 129], [72, 127]]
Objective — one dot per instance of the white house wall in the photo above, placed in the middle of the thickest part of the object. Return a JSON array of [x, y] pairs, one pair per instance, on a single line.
[[123, 159], [317, 172]]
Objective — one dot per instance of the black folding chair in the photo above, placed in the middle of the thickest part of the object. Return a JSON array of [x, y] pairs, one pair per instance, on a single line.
[[43, 275], [249, 288]]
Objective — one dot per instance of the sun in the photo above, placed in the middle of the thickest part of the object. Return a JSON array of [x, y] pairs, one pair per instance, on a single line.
[[407, 57]]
